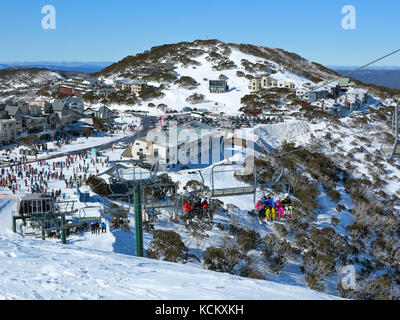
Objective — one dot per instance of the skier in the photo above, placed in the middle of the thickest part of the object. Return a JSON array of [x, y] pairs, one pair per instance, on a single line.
[[260, 207], [279, 208], [204, 204], [270, 208], [92, 228], [287, 203], [189, 207], [197, 208], [97, 225], [115, 223], [189, 211]]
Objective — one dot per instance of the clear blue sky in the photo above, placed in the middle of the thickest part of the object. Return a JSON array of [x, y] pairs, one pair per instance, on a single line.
[[103, 30]]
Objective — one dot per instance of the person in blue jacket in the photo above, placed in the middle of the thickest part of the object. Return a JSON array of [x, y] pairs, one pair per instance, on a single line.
[[103, 227], [269, 207]]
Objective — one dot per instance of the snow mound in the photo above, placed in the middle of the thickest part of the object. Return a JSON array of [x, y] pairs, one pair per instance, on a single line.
[[274, 135]]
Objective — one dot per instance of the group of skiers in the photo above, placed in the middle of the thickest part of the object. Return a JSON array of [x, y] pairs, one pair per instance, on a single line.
[[197, 205], [95, 227], [197, 208], [269, 209], [152, 214], [120, 223]]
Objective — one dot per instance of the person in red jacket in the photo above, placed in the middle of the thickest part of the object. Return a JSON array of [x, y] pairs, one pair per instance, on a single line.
[[188, 207], [204, 204]]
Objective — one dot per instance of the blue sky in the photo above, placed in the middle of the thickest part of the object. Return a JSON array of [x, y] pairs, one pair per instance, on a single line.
[[102, 30]]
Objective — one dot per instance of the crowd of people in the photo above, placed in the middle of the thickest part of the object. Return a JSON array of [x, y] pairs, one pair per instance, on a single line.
[[95, 227], [269, 209], [73, 170]]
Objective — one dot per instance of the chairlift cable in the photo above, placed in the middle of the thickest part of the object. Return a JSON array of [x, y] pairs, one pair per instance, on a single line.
[[358, 69]]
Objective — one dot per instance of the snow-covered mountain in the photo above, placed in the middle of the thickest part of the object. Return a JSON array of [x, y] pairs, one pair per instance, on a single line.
[[24, 82], [195, 63], [346, 193]]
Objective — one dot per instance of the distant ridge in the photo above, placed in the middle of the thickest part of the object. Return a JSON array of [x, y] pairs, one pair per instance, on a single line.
[[382, 77], [88, 67]]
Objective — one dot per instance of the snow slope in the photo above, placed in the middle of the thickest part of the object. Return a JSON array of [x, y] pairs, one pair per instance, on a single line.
[[35, 269]]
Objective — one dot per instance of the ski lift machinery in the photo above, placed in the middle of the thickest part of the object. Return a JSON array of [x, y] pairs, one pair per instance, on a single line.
[[247, 190], [144, 191], [395, 151]]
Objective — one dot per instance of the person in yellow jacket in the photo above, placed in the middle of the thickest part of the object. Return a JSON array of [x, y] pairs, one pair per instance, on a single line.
[[270, 211]]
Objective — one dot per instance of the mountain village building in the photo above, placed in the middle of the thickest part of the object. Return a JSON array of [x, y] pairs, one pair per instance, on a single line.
[[133, 86], [265, 82], [218, 86]]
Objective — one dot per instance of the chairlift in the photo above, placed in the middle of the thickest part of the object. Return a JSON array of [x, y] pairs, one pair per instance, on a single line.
[[225, 192], [395, 151], [159, 195]]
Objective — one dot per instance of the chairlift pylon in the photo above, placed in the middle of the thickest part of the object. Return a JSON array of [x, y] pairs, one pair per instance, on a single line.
[[395, 151]]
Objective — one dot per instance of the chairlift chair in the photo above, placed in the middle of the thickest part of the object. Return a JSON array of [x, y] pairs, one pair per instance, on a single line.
[[225, 192]]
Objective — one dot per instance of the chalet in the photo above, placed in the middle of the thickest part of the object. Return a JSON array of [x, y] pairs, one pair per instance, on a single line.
[[104, 113], [44, 106], [74, 103], [34, 124], [9, 128], [133, 86], [78, 86], [31, 118], [105, 91], [333, 88], [315, 95], [218, 86], [302, 93], [358, 94], [346, 83], [15, 112], [265, 81], [66, 115]]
